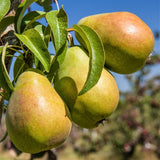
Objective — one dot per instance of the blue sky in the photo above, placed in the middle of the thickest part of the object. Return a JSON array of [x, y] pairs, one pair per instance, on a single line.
[[147, 10]]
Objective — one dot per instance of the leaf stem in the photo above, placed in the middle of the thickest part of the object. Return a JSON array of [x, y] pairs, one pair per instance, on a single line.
[[22, 48], [14, 46], [14, 56], [16, 51], [57, 4]]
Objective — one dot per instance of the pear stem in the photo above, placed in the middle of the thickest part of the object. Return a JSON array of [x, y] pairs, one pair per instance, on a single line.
[[70, 40], [70, 29]]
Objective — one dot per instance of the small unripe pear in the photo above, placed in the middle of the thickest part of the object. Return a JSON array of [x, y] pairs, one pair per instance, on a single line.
[[127, 40], [37, 118], [91, 108]]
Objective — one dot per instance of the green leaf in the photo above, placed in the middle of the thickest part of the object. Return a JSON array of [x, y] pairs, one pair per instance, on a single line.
[[17, 22], [47, 35], [38, 64], [30, 18], [20, 12], [56, 62], [4, 69], [44, 31], [6, 21], [4, 8], [40, 28], [33, 40], [5, 82], [19, 67], [96, 55], [58, 22], [47, 5]]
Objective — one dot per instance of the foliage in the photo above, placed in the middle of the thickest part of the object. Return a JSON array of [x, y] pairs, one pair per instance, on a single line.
[[134, 125], [33, 38]]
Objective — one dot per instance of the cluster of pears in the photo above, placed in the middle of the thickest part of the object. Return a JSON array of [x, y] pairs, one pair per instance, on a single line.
[[39, 116]]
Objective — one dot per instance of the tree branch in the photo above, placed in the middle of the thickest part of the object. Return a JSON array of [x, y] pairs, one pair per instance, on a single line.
[[8, 36]]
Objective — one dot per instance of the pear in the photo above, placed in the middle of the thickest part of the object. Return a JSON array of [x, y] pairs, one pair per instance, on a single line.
[[37, 118], [91, 108], [127, 40]]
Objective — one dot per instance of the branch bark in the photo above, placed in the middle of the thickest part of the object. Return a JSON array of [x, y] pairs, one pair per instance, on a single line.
[[8, 36], [1, 106]]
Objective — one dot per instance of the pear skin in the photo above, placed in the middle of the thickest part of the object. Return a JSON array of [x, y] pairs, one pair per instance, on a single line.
[[37, 118], [127, 40], [89, 109]]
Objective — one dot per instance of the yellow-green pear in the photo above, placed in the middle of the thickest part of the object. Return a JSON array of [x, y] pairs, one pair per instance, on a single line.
[[91, 108], [37, 118], [127, 40]]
